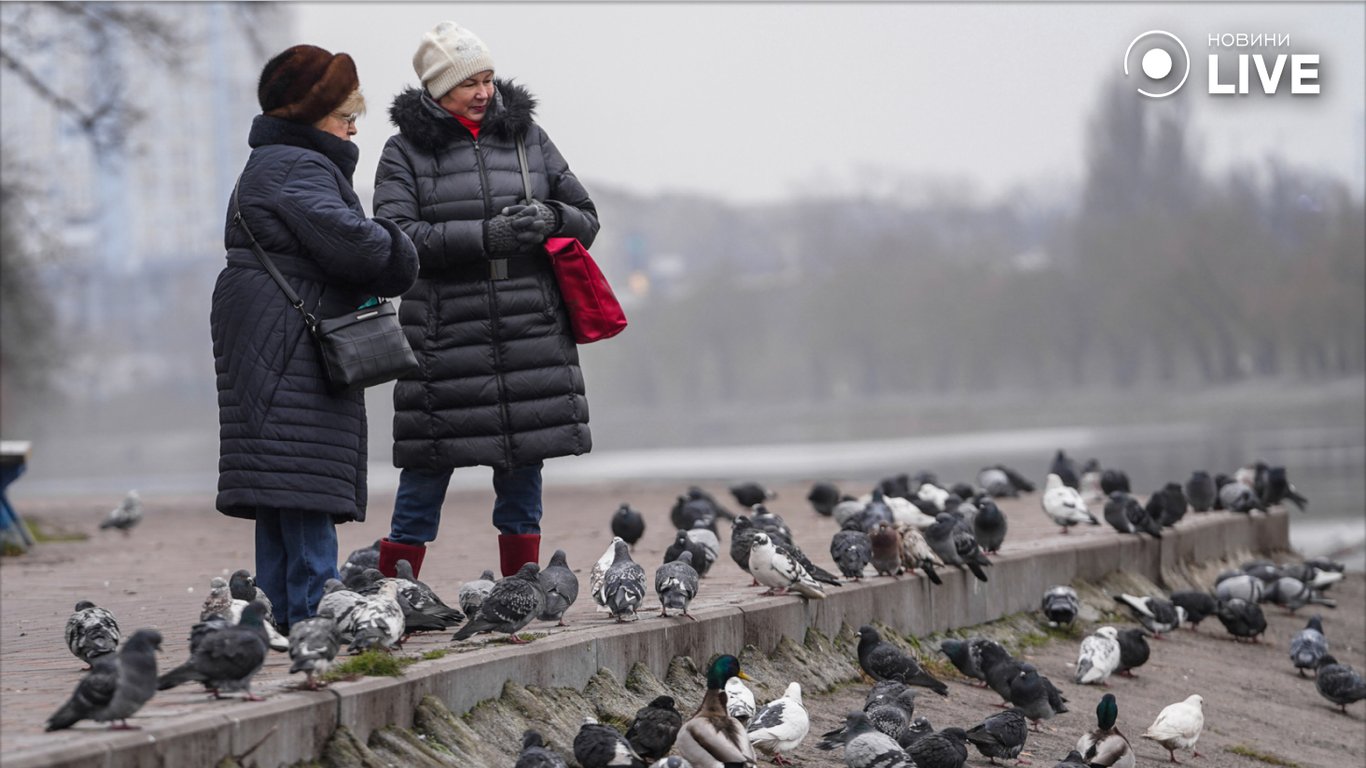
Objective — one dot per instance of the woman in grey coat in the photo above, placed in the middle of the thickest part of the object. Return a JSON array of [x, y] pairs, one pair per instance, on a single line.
[[292, 456], [498, 383]]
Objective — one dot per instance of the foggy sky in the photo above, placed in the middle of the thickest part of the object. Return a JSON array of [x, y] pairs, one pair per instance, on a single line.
[[758, 102]]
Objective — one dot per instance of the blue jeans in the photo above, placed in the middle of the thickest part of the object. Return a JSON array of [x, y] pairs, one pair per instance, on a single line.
[[417, 508], [296, 552]]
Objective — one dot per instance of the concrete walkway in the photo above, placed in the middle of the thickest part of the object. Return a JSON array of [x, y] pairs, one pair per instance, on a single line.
[[158, 576]]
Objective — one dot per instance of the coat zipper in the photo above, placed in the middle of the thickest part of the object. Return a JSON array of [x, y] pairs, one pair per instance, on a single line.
[[497, 322]]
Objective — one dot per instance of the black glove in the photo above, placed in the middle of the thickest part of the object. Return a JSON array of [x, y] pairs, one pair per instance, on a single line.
[[534, 217], [502, 238]]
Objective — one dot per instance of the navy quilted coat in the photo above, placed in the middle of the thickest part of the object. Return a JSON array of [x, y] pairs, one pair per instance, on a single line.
[[499, 381], [284, 440]]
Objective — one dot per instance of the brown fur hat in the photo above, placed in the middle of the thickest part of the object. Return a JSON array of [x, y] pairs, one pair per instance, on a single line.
[[305, 83]]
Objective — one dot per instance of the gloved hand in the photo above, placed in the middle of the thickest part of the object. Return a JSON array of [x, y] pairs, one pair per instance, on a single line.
[[534, 217], [503, 238]]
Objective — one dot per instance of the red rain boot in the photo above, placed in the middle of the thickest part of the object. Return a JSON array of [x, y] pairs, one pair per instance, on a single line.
[[390, 552], [518, 549]]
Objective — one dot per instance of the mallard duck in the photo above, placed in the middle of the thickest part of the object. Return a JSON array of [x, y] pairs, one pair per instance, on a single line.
[[711, 738], [1106, 746]]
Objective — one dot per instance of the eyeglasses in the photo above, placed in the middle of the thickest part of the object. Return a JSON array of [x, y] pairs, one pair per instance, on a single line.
[[348, 118]]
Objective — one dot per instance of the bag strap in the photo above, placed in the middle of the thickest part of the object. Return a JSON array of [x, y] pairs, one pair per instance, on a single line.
[[266, 262], [526, 174]]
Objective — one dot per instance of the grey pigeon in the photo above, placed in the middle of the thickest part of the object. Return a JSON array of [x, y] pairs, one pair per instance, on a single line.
[[473, 592], [628, 523], [1065, 467], [623, 585], [602, 746], [889, 706], [1242, 619], [1060, 605], [989, 525], [1200, 491], [1156, 614], [655, 728], [1308, 646], [1037, 697], [1339, 683], [705, 538], [1174, 504], [998, 667], [1292, 594], [219, 600], [1143, 522], [823, 497], [561, 588], [1197, 605], [1000, 735], [244, 587], [676, 584], [1133, 651], [1242, 586], [996, 483], [884, 661], [116, 687], [960, 654], [226, 659], [340, 605], [1116, 512], [741, 540], [945, 749], [126, 515], [313, 646], [749, 493], [867, 747], [359, 560], [1239, 497], [511, 605], [1112, 480], [91, 632], [773, 524], [423, 599], [955, 545], [851, 550], [535, 754]]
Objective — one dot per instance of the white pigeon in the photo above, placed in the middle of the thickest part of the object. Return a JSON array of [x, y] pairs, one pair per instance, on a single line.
[[776, 569], [780, 725], [597, 578], [739, 699], [1099, 657], [934, 495], [906, 513], [1178, 726], [1064, 504]]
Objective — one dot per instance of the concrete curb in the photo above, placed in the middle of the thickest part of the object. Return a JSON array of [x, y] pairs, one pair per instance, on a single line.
[[293, 727]]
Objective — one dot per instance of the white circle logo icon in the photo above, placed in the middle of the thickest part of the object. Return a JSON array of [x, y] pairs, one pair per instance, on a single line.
[[1157, 64]]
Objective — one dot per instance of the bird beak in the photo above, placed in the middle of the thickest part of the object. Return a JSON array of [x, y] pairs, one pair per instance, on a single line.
[[744, 676]]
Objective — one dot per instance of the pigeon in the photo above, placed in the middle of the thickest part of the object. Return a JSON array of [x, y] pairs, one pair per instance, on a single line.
[[780, 725], [1021, 483], [945, 749], [1112, 480], [472, 593], [876, 509], [1035, 695], [597, 578], [886, 550], [1116, 512], [340, 605], [695, 505], [602, 746], [359, 560], [628, 524], [952, 540], [623, 585], [774, 566], [218, 602], [1197, 605], [226, 659], [917, 553], [1239, 497], [1339, 683], [712, 737], [741, 540], [1099, 657], [740, 702], [1060, 605], [1292, 594], [1320, 577], [749, 493], [1001, 735], [1089, 484], [1241, 618], [1178, 726], [1133, 650], [116, 687], [1064, 505], [1264, 570], [998, 668], [959, 653], [1200, 491], [1174, 504], [1241, 587], [904, 513], [989, 526], [535, 754], [773, 524], [883, 661], [379, 620], [671, 762], [511, 605], [244, 588], [1106, 746], [91, 632], [126, 515], [1139, 517], [1279, 489], [936, 496], [313, 646], [705, 538], [654, 729], [867, 747], [1308, 646], [676, 584], [681, 544], [1066, 469], [561, 588], [996, 483], [889, 706], [1156, 614], [823, 497], [852, 550], [422, 599]]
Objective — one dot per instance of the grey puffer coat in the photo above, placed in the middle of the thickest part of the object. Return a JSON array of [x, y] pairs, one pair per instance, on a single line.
[[285, 441], [498, 381]]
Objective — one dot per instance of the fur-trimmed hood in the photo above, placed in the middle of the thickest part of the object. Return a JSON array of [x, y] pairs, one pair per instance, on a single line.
[[429, 127]]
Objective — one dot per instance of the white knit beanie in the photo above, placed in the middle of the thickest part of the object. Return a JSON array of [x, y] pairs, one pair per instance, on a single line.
[[449, 55]]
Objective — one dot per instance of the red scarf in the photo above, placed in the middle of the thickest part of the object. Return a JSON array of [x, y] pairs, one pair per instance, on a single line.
[[472, 125]]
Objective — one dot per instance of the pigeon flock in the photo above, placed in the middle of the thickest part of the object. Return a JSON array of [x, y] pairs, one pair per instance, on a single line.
[[905, 526]]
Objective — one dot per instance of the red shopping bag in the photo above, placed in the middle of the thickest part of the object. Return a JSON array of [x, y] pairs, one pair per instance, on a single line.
[[594, 312]]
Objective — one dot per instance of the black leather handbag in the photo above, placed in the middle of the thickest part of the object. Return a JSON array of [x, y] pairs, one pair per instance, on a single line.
[[359, 349]]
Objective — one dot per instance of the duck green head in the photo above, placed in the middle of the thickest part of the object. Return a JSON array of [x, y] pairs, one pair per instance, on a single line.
[[722, 669], [1107, 712]]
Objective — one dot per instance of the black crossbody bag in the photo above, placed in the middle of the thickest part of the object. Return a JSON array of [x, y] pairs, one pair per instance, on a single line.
[[359, 349]]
